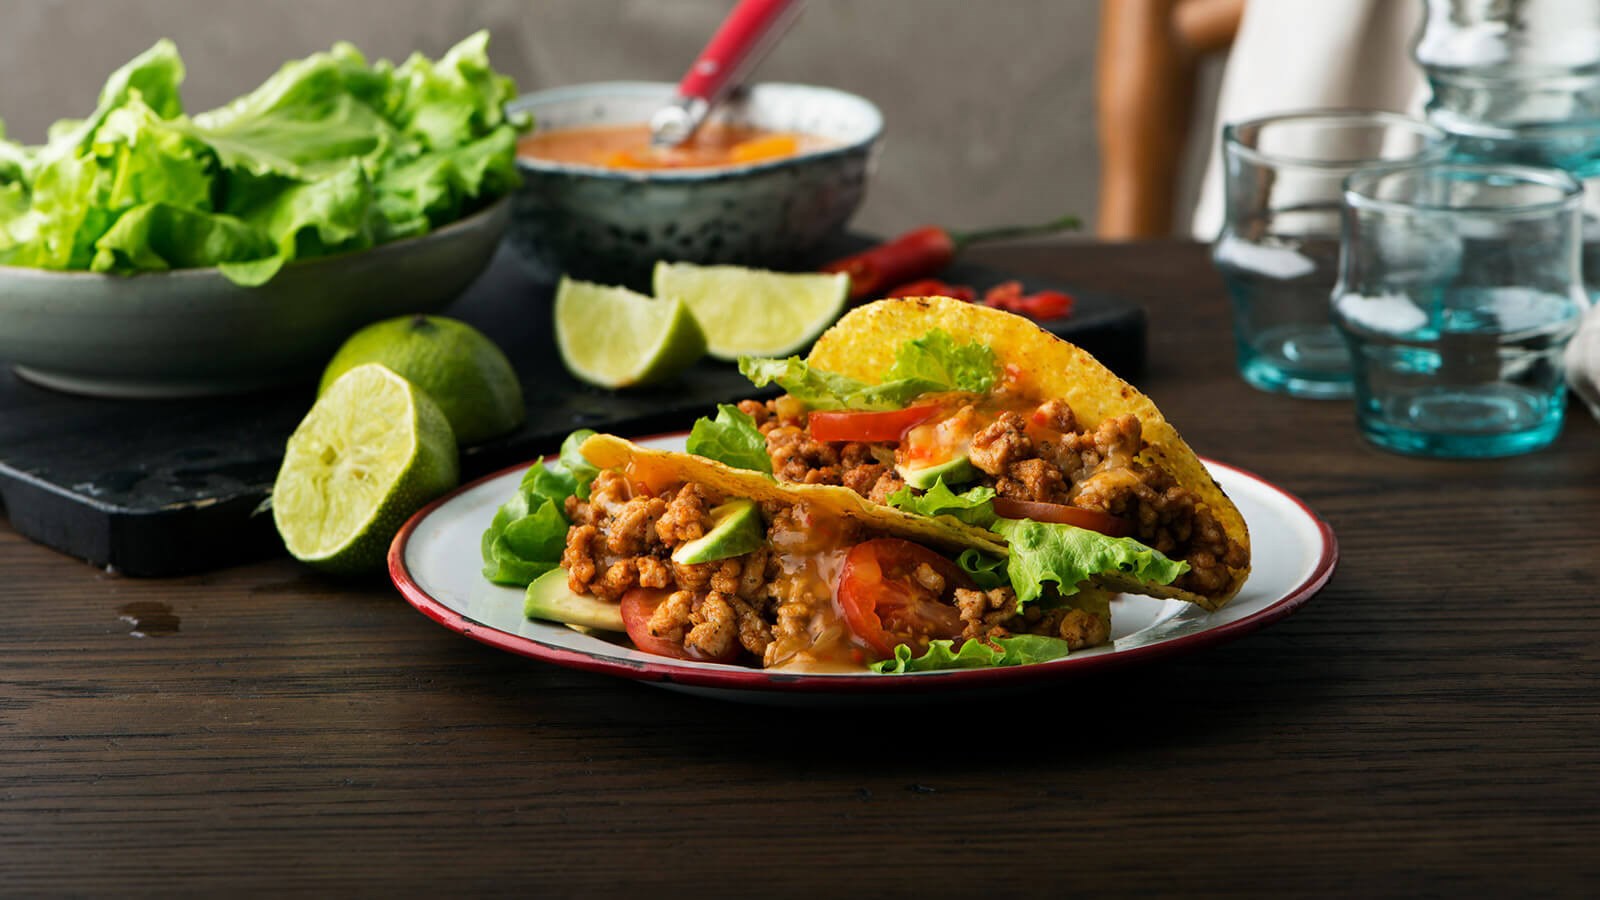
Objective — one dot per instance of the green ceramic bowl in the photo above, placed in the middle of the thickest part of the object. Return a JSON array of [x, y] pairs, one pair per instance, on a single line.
[[192, 332], [612, 225]]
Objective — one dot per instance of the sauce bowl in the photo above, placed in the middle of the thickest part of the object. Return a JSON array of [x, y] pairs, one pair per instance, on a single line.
[[613, 224]]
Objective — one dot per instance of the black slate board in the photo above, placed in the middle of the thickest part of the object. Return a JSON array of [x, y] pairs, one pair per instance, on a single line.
[[154, 488]]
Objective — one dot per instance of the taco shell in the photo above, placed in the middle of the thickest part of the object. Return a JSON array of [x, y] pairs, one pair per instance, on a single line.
[[608, 452], [863, 343]]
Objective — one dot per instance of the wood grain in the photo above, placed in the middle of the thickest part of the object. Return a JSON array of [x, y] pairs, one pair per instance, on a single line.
[[1428, 725]]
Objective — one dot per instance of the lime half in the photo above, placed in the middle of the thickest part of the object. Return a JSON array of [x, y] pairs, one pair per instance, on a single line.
[[613, 337], [460, 368], [752, 312], [373, 450]]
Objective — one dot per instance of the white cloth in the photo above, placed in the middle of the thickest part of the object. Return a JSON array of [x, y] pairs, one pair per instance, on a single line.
[[1309, 54]]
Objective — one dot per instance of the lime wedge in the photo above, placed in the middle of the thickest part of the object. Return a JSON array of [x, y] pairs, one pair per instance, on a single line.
[[613, 337], [373, 450], [752, 312]]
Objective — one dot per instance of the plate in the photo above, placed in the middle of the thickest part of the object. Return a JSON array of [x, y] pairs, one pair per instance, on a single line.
[[435, 562]]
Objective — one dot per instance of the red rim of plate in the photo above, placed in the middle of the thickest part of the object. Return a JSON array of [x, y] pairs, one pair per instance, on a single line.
[[741, 678]]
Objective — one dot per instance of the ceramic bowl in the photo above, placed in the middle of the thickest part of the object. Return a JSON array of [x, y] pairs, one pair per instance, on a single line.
[[612, 225], [192, 332]]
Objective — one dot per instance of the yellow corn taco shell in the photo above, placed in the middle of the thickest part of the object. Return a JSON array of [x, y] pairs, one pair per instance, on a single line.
[[862, 345], [608, 452]]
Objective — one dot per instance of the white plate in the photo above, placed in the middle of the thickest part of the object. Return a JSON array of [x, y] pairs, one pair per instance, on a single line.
[[435, 562]]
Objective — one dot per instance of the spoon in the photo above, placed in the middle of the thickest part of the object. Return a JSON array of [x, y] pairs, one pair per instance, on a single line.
[[749, 31]]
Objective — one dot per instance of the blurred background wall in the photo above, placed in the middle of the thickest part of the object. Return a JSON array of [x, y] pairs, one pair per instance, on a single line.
[[989, 103]]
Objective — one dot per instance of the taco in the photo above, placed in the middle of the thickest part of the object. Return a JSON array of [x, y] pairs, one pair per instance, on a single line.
[[947, 408], [693, 558]]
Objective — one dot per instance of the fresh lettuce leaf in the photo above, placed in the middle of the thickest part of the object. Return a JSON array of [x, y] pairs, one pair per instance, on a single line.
[[1016, 650], [988, 572], [731, 438], [1068, 556], [529, 530], [155, 236], [974, 506], [528, 546], [572, 459], [329, 155], [937, 358], [929, 364]]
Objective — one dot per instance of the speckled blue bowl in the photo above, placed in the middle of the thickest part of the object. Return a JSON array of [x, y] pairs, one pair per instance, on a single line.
[[612, 225]]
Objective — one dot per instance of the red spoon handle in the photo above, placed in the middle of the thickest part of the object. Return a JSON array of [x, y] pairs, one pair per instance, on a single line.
[[740, 41]]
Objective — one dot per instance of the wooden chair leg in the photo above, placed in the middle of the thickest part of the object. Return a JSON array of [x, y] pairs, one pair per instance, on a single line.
[[1148, 54]]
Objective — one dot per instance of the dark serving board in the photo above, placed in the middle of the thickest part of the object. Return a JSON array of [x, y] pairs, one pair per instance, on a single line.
[[167, 487]]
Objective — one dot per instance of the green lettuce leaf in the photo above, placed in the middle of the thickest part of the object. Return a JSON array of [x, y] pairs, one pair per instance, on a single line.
[[936, 358], [1069, 556], [324, 109], [528, 533], [329, 155], [988, 572], [1016, 650], [731, 438], [572, 459], [930, 364], [527, 547], [155, 236], [974, 506]]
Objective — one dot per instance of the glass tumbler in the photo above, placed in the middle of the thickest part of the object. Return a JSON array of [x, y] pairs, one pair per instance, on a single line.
[[1459, 289], [1279, 248]]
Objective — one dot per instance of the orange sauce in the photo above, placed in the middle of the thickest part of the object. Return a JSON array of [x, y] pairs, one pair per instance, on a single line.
[[628, 146]]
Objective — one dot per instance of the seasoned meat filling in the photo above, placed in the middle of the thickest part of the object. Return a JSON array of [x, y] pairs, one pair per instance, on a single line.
[[992, 614], [774, 604], [619, 542], [1025, 452], [783, 591]]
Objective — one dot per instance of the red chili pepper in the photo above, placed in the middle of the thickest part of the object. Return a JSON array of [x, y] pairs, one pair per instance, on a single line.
[[933, 287], [915, 254], [1039, 305], [1046, 305], [922, 253], [1003, 295]]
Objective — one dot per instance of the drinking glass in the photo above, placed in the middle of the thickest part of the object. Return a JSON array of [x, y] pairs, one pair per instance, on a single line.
[[1459, 288], [1279, 248], [1497, 66]]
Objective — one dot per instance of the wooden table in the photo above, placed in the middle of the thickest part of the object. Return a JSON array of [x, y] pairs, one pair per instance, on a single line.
[[1429, 723]]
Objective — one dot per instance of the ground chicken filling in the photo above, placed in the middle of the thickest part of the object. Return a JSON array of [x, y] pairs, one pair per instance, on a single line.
[[1025, 450], [776, 605]]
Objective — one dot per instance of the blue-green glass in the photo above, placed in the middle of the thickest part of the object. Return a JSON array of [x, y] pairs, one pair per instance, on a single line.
[[1459, 290]]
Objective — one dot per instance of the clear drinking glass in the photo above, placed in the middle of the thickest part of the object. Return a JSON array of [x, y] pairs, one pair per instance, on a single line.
[[1497, 66], [1279, 248], [1459, 288]]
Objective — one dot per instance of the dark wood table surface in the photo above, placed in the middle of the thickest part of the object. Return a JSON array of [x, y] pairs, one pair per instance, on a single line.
[[1430, 723]]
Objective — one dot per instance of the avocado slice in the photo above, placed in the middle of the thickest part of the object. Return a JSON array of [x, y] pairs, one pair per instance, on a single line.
[[736, 529], [955, 470], [548, 597]]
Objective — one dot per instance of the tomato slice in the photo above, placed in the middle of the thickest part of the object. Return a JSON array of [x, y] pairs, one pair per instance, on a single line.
[[638, 605], [846, 425], [885, 605], [1060, 514]]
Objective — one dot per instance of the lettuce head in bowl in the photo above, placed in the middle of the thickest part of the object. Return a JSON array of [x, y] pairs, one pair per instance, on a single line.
[[257, 235]]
